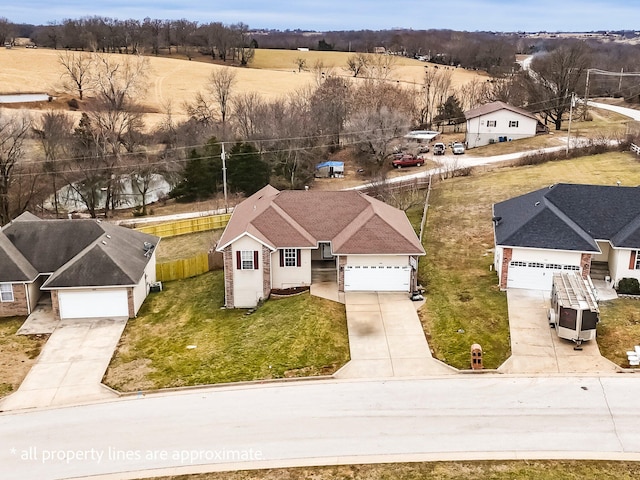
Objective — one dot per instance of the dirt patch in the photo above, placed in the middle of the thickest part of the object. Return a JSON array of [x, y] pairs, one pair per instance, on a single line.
[[134, 377], [287, 292]]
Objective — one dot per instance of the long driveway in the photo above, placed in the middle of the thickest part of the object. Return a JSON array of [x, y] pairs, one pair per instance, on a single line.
[[328, 423]]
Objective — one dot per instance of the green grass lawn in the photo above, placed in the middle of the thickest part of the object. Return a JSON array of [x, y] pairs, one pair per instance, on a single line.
[[619, 329], [462, 293], [295, 336], [17, 353], [489, 470]]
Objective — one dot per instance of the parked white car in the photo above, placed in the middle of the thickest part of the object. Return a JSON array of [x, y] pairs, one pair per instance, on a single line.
[[457, 148]]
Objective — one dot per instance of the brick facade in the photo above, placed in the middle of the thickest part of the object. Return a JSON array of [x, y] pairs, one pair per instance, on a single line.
[[342, 261], [507, 254], [228, 276], [585, 264], [130, 304], [266, 272], [55, 304], [19, 305]]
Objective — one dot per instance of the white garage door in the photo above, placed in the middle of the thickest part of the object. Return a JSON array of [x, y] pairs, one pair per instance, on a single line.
[[377, 278], [93, 303], [534, 275]]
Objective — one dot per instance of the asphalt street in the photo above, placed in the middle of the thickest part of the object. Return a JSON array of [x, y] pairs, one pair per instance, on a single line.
[[330, 422]]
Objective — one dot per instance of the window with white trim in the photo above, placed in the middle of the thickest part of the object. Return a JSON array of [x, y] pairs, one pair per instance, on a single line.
[[513, 123], [290, 257], [246, 260], [491, 123], [6, 292]]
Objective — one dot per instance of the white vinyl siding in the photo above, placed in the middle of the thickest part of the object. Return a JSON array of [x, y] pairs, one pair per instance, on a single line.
[[6, 292]]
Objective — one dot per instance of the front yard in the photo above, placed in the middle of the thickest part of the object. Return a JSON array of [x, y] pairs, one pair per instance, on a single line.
[[183, 337], [17, 353], [463, 303], [619, 329]]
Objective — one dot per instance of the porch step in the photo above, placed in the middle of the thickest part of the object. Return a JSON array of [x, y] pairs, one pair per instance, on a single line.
[[599, 270]]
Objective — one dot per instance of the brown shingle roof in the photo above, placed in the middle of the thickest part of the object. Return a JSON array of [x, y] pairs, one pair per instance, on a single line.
[[352, 221], [494, 107]]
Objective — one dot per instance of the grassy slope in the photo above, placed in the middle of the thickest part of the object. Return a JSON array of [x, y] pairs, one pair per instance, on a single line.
[[461, 291], [301, 335], [619, 329], [17, 353], [522, 470]]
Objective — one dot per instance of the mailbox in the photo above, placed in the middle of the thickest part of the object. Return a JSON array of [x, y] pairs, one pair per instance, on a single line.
[[476, 357]]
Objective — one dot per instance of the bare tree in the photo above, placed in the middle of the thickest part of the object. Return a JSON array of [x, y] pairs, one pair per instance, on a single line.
[[381, 67], [218, 91], [248, 109], [435, 91], [14, 129], [54, 129], [554, 77], [242, 45], [301, 63], [321, 72], [357, 64], [77, 69]]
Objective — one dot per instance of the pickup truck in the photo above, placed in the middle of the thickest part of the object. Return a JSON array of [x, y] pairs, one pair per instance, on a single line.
[[439, 148], [406, 160]]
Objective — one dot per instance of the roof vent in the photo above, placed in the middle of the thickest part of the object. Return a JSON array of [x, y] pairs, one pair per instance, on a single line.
[[108, 236], [536, 204], [496, 220], [618, 183], [103, 242], [148, 248]]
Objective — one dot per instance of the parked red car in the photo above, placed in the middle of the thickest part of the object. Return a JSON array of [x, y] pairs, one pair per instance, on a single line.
[[407, 161]]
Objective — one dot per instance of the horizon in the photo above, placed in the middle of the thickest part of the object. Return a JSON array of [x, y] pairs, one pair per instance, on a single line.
[[499, 16]]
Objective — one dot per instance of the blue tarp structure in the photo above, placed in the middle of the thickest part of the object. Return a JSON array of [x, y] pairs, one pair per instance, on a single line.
[[329, 169]]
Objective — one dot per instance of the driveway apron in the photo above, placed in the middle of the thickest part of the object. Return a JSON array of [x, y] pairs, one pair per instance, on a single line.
[[386, 338], [536, 348], [71, 365]]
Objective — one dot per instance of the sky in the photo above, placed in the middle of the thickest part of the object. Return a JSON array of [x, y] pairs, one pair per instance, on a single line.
[[323, 15]]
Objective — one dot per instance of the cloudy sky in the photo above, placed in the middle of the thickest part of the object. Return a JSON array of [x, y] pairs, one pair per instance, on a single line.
[[471, 15]]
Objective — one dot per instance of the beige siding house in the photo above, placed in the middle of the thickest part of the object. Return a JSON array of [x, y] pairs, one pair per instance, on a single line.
[[88, 268], [280, 240], [498, 122]]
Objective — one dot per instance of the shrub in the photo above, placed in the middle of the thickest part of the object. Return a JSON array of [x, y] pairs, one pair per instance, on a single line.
[[629, 286], [73, 103]]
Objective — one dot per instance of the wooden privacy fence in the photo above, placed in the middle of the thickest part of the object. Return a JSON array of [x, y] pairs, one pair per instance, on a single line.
[[186, 226], [188, 267]]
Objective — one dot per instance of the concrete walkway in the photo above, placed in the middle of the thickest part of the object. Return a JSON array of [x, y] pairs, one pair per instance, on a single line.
[[536, 348], [70, 366], [386, 338]]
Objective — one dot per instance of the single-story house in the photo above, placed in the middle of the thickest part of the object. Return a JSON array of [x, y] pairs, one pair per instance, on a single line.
[[89, 268], [329, 169], [498, 122], [591, 229], [275, 240]]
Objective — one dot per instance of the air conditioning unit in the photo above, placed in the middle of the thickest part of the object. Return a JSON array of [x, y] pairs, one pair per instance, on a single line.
[[155, 287]]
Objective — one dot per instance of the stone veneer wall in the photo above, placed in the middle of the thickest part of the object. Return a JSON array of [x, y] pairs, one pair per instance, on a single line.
[[507, 254], [228, 276]]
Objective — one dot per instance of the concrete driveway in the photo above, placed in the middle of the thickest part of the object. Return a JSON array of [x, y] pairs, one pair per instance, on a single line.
[[71, 365], [536, 348], [386, 338]]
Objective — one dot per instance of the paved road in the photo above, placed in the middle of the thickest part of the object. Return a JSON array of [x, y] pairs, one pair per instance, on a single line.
[[327, 423]]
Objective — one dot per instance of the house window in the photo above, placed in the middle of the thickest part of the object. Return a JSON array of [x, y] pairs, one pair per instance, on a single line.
[[513, 123], [247, 259], [290, 257], [637, 262], [6, 292], [491, 123]]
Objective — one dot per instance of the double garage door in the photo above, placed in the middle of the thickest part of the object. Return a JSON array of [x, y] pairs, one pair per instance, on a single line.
[[535, 275], [93, 303], [370, 278]]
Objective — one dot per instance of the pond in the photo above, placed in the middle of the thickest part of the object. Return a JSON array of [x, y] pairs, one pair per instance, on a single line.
[[25, 97]]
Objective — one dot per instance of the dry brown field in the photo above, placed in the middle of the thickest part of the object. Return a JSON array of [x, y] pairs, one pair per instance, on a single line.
[[272, 74]]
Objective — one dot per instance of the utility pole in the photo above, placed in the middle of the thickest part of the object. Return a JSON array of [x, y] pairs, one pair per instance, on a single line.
[[223, 157], [570, 118], [586, 96]]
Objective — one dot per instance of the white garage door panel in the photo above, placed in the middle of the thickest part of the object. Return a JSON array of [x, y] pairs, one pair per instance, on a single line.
[[377, 278], [533, 275], [93, 303]]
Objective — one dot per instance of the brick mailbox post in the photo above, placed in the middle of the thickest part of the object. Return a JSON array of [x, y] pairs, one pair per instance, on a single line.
[[476, 357]]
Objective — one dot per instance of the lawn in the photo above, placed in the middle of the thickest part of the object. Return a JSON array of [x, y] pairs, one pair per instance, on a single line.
[[463, 303], [619, 329], [182, 337], [186, 246], [487, 470], [17, 353]]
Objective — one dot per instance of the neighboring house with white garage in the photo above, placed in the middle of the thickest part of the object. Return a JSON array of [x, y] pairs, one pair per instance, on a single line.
[[275, 240], [498, 122], [591, 229], [89, 268]]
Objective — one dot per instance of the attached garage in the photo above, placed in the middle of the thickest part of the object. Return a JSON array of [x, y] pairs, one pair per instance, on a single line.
[[535, 275], [383, 278], [93, 303]]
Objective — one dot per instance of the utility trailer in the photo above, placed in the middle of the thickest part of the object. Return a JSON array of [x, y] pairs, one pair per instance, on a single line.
[[574, 310]]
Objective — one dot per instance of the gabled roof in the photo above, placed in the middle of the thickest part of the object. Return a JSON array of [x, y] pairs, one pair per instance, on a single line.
[[570, 217], [77, 253], [352, 221], [488, 108]]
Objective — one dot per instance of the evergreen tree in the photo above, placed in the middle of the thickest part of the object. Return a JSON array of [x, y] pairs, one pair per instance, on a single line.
[[246, 171], [202, 175]]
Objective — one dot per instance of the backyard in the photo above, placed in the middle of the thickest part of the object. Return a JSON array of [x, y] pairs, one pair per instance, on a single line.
[[463, 303], [182, 336]]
